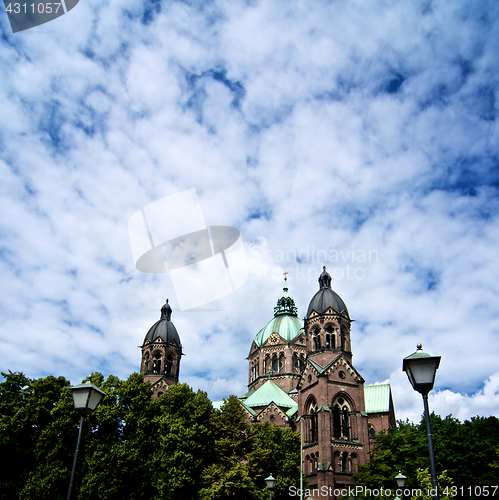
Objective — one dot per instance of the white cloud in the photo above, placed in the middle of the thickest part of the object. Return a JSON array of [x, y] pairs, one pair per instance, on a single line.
[[351, 126]]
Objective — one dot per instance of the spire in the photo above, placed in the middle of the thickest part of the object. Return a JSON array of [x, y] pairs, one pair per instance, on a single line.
[[325, 279], [166, 311], [285, 303]]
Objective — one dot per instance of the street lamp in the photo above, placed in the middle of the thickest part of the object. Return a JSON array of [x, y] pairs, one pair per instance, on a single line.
[[421, 369], [86, 397], [301, 418], [270, 484], [400, 479]]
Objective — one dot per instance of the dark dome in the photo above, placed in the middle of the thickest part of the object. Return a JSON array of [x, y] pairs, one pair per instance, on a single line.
[[326, 298], [163, 328]]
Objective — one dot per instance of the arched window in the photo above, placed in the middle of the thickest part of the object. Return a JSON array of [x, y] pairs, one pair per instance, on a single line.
[[315, 460], [341, 419], [254, 370], [275, 364], [314, 437], [344, 462], [353, 462], [345, 422], [298, 363], [343, 338], [301, 363], [169, 365], [156, 365], [336, 422], [310, 428], [330, 343]]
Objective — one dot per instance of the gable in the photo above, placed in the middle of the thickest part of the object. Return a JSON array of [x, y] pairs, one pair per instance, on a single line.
[[342, 370], [272, 410], [253, 349], [268, 393], [274, 339]]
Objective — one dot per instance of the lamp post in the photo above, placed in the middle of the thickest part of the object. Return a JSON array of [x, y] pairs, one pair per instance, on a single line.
[[86, 397], [400, 479], [421, 369], [301, 418], [270, 484]]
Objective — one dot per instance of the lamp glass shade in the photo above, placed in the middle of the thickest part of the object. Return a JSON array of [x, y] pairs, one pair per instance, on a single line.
[[94, 399], [270, 482], [86, 397], [80, 397], [400, 480], [421, 369]]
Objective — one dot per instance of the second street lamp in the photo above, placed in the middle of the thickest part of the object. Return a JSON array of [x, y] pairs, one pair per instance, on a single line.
[[270, 484], [400, 479], [421, 369], [86, 397]]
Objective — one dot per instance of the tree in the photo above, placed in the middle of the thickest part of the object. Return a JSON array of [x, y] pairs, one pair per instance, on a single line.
[[462, 449], [37, 434], [117, 460], [229, 476], [136, 447], [275, 450], [426, 486], [184, 442]]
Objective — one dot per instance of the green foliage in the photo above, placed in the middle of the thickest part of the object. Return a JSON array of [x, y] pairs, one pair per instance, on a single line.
[[135, 447], [229, 476], [184, 445], [275, 450], [246, 455], [117, 459], [463, 450], [425, 486], [495, 463], [37, 436]]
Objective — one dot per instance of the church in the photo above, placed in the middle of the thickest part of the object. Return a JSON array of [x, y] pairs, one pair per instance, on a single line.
[[301, 376]]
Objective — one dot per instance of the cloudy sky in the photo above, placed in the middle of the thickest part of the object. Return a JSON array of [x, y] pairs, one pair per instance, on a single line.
[[361, 135]]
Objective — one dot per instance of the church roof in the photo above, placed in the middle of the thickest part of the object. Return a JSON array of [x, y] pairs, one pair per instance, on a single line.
[[285, 322], [326, 297], [217, 405], [164, 328], [268, 393], [377, 398]]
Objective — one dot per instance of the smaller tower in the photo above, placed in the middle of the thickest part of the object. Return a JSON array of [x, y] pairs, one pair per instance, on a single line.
[[161, 352]]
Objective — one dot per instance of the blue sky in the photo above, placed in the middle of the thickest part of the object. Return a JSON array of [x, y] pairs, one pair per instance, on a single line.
[[362, 135]]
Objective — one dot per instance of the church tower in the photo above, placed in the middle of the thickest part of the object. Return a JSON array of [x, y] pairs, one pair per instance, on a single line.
[[161, 352], [278, 351], [331, 401]]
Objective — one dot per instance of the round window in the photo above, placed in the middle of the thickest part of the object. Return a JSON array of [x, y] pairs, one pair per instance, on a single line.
[[342, 374]]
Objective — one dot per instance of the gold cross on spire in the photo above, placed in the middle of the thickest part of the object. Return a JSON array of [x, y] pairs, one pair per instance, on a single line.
[[285, 275]]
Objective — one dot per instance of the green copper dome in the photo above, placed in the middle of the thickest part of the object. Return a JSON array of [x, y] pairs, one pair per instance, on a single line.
[[285, 322]]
